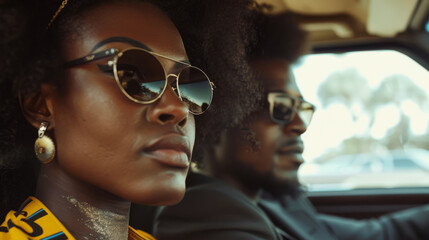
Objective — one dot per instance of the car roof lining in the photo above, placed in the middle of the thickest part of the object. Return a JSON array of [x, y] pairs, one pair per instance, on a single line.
[[327, 20]]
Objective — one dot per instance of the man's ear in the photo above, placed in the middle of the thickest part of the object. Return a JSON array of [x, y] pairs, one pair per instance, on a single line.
[[37, 106]]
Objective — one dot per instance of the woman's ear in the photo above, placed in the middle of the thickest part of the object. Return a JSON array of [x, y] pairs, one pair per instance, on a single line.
[[37, 106]]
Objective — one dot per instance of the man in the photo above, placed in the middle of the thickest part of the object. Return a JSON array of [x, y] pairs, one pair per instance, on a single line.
[[249, 187]]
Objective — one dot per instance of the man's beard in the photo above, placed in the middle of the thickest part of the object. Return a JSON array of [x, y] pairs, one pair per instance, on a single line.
[[278, 188], [255, 180]]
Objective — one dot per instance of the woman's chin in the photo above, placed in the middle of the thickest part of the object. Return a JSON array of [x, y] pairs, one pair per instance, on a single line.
[[164, 199], [173, 198], [161, 194]]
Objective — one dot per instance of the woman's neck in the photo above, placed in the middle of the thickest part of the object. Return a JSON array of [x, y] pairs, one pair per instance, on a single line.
[[86, 211]]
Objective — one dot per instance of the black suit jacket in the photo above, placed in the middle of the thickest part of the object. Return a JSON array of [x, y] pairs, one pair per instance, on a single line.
[[298, 217], [214, 210], [295, 216]]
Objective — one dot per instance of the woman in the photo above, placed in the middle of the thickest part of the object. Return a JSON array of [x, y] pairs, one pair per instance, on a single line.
[[109, 88]]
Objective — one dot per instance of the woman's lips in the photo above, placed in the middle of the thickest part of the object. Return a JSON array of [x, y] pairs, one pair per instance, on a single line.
[[170, 157], [172, 150]]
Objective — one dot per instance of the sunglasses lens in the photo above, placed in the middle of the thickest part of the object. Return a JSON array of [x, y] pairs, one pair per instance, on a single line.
[[306, 112], [282, 109], [140, 75], [195, 89], [142, 78]]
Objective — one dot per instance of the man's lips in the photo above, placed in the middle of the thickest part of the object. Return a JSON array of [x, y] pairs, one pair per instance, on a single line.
[[171, 149], [292, 146]]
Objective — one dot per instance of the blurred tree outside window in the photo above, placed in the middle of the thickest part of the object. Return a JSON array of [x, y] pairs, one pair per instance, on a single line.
[[371, 126]]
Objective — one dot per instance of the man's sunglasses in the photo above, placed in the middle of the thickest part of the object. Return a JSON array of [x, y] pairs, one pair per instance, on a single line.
[[142, 78], [284, 107]]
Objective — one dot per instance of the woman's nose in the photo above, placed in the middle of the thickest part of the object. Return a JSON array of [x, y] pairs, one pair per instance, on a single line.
[[169, 109]]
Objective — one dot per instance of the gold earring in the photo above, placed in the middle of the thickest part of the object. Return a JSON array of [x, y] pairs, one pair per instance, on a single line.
[[44, 146]]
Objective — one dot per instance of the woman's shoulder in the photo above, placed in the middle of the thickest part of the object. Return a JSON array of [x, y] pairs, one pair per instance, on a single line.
[[134, 234], [33, 220]]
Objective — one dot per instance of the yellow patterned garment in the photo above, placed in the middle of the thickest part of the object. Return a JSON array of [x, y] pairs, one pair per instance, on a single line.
[[33, 220]]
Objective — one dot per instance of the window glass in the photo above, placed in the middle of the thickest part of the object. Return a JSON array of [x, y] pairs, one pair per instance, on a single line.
[[371, 125]]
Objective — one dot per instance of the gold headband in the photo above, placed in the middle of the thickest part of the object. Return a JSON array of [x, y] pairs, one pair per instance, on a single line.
[[63, 4]]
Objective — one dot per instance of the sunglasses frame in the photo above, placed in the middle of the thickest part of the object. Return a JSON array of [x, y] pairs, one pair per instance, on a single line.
[[113, 63], [297, 103]]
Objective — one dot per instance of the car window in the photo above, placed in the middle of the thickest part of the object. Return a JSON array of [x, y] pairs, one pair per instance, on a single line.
[[405, 163], [371, 125]]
